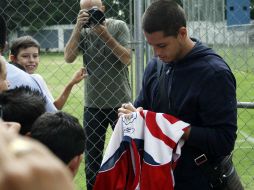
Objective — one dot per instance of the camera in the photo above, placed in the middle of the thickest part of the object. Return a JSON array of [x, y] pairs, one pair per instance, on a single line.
[[96, 17]]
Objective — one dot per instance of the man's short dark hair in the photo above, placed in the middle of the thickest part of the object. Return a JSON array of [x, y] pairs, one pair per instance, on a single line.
[[3, 32], [164, 15], [61, 133], [23, 42], [22, 105]]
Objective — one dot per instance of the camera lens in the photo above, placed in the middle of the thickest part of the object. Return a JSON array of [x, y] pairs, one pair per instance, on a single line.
[[96, 17]]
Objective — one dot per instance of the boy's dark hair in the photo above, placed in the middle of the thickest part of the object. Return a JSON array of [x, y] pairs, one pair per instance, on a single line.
[[61, 133], [23, 43], [164, 15], [3, 33], [22, 105]]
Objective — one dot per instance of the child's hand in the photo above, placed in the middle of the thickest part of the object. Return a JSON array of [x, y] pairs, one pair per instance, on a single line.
[[79, 75]]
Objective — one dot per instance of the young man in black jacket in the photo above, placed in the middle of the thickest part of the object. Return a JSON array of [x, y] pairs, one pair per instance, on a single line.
[[190, 81]]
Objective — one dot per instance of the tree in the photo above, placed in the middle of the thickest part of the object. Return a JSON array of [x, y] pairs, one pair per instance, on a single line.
[[118, 9], [39, 13]]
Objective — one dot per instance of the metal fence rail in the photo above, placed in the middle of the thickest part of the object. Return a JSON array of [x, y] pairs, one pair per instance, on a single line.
[[245, 105]]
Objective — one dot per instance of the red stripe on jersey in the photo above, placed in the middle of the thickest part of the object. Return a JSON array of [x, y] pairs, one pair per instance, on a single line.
[[170, 118], [156, 131]]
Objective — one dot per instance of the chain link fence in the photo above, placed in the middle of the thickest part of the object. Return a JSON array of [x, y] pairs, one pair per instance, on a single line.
[[223, 25]]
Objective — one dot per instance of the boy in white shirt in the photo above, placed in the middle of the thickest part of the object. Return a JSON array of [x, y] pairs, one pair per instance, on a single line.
[[25, 53]]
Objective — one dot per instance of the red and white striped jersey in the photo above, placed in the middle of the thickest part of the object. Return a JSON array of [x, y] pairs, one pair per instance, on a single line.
[[141, 153]]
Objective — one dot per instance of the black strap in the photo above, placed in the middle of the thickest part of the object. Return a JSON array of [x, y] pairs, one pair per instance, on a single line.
[[159, 69], [217, 172], [213, 173], [161, 97], [164, 78]]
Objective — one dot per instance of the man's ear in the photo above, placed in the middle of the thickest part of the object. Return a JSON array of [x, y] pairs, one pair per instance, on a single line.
[[182, 32], [12, 58], [74, 164]]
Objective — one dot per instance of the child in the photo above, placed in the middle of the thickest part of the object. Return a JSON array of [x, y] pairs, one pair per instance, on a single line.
[[15, 76], [25, 52], [66, 141], [22, 105]]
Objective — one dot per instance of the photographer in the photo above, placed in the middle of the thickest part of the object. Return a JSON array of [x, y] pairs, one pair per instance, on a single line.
[[106, 55]]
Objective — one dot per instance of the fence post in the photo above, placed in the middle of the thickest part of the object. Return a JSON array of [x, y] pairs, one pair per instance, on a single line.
[[139, 46]]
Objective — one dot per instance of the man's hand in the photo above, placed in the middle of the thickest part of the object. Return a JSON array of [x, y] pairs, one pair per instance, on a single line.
[[82, 19], [186, 134], [127, 108], [102, 31]]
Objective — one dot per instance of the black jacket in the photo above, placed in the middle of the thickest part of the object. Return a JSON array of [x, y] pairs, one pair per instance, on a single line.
[[200, 89]]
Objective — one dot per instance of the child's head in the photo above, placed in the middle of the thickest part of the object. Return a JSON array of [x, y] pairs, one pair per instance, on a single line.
[[63, 135], [25, 51], [22, 105]]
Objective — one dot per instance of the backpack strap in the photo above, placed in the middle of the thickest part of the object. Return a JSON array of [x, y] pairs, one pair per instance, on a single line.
[[162, 96], [159, 69]]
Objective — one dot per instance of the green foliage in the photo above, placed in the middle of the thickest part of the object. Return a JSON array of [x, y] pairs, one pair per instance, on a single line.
[[117, 9], [39, 13]]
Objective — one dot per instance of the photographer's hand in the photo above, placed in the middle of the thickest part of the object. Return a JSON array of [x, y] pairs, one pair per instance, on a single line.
[[71, 50], [82, 19], [121, 52], [102, 31]]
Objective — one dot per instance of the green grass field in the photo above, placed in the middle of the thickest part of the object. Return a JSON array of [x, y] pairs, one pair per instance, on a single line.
[[56, 73]]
